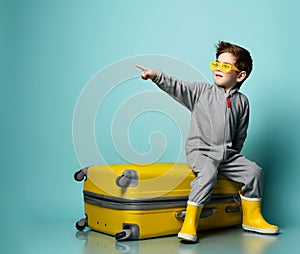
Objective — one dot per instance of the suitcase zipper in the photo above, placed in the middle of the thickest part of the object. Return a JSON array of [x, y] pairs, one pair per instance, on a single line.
[[149, 204]]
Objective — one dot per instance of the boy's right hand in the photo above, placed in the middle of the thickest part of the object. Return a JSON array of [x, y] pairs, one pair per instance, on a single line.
[[147, 73]]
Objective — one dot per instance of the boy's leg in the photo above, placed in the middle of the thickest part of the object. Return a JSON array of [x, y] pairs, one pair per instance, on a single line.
[[188, 231], [240, 169], [201, 188]]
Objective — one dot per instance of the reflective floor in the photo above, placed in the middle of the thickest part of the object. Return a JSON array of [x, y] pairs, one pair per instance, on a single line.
[[62, 237]]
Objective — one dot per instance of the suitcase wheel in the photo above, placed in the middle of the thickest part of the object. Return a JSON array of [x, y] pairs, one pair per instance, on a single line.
[[129, 232], [123, 235], [79, 175], [81, 224]]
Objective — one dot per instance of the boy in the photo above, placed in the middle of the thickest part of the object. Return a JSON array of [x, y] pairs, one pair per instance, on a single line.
[[220, 115]]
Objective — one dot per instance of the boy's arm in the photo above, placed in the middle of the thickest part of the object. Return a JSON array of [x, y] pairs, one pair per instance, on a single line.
[[241, 131], [184, 92]]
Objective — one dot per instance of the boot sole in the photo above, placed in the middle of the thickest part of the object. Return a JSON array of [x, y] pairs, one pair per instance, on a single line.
[[188, 238], [274, 231]]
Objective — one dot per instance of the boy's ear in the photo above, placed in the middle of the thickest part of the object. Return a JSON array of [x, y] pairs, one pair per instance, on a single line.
[[241, 76]]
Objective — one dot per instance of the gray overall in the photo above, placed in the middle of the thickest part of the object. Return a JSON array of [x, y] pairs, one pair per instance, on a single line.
[[218, 129]]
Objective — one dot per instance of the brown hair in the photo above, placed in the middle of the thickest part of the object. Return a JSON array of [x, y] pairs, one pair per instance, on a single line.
[[243, 58]]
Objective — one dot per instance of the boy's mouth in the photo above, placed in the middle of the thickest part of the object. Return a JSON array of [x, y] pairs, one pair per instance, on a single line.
[[219, 75]]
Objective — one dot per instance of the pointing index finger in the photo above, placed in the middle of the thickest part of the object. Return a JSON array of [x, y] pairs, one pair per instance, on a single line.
[[141, 67]]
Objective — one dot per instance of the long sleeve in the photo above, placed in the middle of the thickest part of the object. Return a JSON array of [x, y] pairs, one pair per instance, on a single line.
[[241, 131], [184, 92]]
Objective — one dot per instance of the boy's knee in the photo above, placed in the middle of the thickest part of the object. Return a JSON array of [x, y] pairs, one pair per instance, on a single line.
[[205, 177], [209, 174]]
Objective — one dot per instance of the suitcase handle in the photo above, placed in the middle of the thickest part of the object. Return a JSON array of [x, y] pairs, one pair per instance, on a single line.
[[129, 178], [204, 214], [209, 212]]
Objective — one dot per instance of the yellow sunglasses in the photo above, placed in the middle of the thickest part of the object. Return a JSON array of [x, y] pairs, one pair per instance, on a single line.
[[223, 67]]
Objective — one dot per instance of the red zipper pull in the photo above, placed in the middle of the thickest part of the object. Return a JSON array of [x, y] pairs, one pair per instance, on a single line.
[[228, 102]]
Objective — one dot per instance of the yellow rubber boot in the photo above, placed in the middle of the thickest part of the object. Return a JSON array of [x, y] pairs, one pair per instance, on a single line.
[[253, 219], [188, 231]]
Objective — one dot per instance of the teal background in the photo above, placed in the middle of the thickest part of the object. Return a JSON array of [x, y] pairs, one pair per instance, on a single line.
[[50, 49]]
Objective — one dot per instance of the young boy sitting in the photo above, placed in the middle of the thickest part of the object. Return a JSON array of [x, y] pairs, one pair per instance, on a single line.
[[218, 129]]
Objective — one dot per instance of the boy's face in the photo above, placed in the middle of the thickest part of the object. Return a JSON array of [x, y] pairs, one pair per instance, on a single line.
[[227, 80]]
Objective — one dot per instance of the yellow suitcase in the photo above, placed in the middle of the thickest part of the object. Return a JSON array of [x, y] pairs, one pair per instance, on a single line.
[[141, 201]]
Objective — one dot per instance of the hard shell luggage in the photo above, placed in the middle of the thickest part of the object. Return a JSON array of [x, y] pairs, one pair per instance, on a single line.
[[133, 202]]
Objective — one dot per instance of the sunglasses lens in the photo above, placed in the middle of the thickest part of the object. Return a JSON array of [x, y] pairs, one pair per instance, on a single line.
[[225, 68], [214, 65]]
